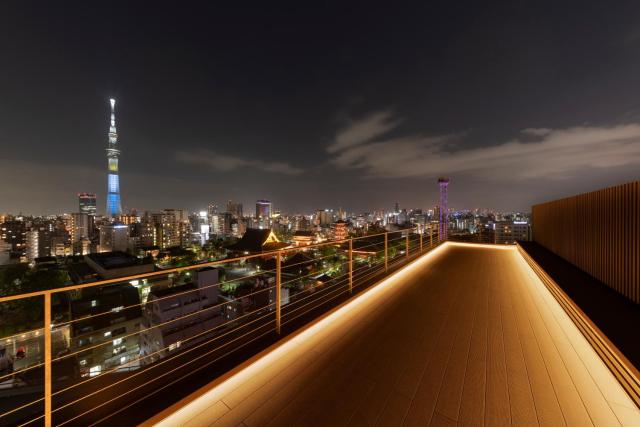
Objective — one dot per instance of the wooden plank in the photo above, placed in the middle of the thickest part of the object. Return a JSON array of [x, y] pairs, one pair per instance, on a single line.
[[497, 412], [546, 402], [472, 406], [571, 404], [450, 394], [568, 341], [208, 416], [424, 400], [523, 410]]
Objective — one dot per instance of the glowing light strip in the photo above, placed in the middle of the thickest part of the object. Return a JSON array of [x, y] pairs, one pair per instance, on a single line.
[[617, 364], [483, 245], [606, 384], [184, 410]]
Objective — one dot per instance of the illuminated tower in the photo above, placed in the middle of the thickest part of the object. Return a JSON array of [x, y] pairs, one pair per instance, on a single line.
[[114, 207], [444, 209]]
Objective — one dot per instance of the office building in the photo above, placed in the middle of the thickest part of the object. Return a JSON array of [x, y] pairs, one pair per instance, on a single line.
[[114, 237], [120, 347], [508, 232], [87, 203], [15, 234], [324, 218], [172, 228], [185, 314], [235, 209], [79, 232], [263, 213], [33, 245]]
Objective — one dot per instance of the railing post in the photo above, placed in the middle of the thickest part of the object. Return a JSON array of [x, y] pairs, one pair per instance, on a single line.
[[351, 266], [47, 360], [430, 237], [278, 292], [420, 241], [386, 252]]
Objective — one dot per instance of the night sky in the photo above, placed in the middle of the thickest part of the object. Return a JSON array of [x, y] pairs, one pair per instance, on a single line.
[[336, 105]]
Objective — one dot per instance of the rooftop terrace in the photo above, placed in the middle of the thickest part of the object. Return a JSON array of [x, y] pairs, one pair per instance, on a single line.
[[466, 334]]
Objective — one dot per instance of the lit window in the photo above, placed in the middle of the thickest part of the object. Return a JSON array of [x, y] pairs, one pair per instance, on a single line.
[[94, 370], [117, 341], [107, 334]]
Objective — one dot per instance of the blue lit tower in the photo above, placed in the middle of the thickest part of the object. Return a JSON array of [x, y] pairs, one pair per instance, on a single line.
[[443, 182], [114, 208]]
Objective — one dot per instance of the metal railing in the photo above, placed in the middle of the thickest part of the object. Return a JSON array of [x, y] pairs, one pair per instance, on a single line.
[[102, 341]]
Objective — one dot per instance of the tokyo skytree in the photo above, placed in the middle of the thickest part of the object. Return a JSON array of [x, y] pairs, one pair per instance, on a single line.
[[114, 207]]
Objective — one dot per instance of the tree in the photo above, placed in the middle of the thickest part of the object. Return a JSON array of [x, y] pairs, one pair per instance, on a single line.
[[25, 314]]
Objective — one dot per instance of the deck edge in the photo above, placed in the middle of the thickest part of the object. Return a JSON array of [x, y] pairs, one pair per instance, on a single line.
[[621, 368]]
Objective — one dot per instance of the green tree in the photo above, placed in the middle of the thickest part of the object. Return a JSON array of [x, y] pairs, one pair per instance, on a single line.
[[26, 314]]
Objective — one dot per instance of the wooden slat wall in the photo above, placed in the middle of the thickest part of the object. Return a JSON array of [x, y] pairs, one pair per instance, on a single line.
[[599, 232]]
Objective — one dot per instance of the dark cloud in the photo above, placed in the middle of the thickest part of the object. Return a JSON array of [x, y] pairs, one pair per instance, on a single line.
[[226, 163], [554, 154]]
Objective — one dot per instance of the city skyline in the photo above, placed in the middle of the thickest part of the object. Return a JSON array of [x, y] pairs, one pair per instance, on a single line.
[[332, 125]]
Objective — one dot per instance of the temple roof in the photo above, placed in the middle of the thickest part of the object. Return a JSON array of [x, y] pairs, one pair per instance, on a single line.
[[258, 240]]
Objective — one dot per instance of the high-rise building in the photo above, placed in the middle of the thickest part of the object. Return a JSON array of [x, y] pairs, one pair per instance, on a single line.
[[33, 245], [263, 213], [39, 239], [301, 223], [143, 233], [87, 203], [324, 218], [114, 237], [171, 228], [15, 233], [226, 221], [235, 209], [79, 232], [508, 232], [114, 207], [129, 219]]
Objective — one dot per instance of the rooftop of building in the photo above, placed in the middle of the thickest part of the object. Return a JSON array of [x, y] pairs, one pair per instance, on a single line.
[[120, 301], [115, 259], [171, 290]]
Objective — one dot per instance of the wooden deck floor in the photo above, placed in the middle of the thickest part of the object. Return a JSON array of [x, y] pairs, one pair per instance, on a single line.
[[466, 336]]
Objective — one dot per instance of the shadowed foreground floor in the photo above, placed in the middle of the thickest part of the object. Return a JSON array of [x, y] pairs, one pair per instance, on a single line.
[[466, 335]]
